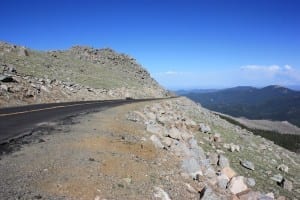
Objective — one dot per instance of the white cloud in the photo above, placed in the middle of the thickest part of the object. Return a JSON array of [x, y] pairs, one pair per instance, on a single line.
[[270, 68], [170, 72], [271, 74], [288, 67]]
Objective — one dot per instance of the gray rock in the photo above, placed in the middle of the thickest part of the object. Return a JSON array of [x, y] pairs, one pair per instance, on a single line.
[[222, 181], [161, 194], [6, 79], [283, 167], [287, 185], [223, 161], [278, 178], [23, 52], [174, 133], [190, 165], [210, 173], [204, 128], [4, 87], [237, 185], [213, 158], [250, 182], [156, 141], [247, 164], [208, 194]]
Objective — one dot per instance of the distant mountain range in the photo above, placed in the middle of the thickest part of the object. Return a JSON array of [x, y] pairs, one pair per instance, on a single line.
[[272, 102]]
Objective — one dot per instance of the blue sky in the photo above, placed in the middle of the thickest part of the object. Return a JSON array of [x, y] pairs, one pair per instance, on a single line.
[[182, 43]]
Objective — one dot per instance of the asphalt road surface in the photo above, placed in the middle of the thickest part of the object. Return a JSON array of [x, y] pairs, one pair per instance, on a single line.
[[17, 121]]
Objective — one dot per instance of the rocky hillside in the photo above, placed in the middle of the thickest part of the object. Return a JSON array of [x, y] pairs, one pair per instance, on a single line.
[[162, 150], [80, 73]]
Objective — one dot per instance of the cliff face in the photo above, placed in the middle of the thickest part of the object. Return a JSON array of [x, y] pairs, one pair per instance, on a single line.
[[80, 73]]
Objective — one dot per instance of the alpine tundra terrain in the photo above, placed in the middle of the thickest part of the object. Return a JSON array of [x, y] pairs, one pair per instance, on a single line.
[[165, 149], [80, 73]]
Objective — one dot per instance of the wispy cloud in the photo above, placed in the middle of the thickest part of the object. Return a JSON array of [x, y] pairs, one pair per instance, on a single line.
[[272, 73], [270, 68]]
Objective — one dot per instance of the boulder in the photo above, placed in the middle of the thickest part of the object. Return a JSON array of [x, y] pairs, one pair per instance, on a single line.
[[6, 79], [217, 137], [283, 167], [223, 161], [153, 128], [156, 141], [287, 185], [237, 185], [222, 181], [228, 172], [247, 164], [174, 133], [213, 158], [191, 166], [10, 69], [278, 178], [248, 195], [161, 194], [23, 52], [204, 128], [250, 182], [4, 87], [208, 194]]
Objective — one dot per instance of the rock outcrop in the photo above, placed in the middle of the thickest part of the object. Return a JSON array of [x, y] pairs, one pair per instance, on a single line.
[[81, 73]]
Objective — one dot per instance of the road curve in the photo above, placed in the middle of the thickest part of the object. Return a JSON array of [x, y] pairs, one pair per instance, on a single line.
[[16, 121]]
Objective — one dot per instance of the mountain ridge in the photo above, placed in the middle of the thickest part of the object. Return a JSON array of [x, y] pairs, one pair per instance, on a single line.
[[78, 73], [271, 102]]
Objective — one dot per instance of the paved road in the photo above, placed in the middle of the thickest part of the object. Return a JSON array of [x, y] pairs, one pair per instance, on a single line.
[[16, 121]]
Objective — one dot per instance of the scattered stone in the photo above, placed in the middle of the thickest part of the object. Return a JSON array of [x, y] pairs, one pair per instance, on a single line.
[[228, 172], [247, 164], [248, 195], [237, 185], [23, 52], [223, 161], [174, 133], [210, 173], [153, 128], [191, 166], [190, 188], [213, 158], [217, 137], [222, 181], [127, 180], [156, 141], [4, 87], [204, 128], [160, 193], [6, 79], [278, 178], [45, 89], [283, 167], [250, 182], [208, 194], [287, 185]]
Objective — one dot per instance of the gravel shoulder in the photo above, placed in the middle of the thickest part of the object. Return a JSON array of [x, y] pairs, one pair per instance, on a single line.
[[164, 149], [99, 155]]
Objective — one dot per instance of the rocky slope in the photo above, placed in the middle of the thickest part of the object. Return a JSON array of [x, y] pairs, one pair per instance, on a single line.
[[80, 73], [166, 149]]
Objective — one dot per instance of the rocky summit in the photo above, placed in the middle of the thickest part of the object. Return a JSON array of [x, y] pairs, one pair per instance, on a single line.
[[162, 149], [80, 73]]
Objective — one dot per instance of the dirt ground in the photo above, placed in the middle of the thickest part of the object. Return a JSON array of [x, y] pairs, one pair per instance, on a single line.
[[104, 156]]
